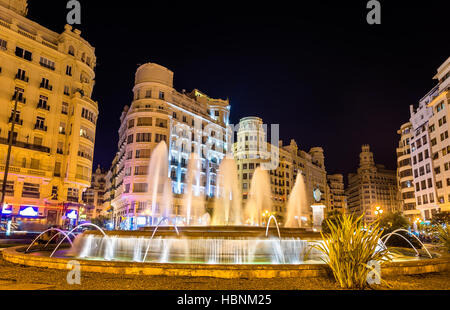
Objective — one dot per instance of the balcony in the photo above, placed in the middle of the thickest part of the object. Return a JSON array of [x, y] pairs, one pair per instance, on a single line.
[[43, 106], [46, 86], [19, 98], [22, 77], [17, 121], [25, 145], [47, 66], [40, 127]]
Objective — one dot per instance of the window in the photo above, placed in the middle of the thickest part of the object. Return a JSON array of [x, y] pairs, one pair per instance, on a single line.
[[143, 153], [130, 123], [30, 190], [130, 139], [37, 140], [148, 94], [22, 75], [22, 53], [143, 137], [71, 51], [45, 83], [69, 70], [140, 170], [67, 90], [47, 63], [144, 121], [159, 138], [40, 123], [85, 113], [57, 170], [65, 108], [3, 44], [432, 128], [140, 187], [161, 95]]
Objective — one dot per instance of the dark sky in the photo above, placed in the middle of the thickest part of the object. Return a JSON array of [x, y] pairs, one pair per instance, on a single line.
[[314, 67]]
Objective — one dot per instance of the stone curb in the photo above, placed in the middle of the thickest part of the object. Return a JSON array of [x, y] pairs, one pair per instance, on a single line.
[[216, 271]]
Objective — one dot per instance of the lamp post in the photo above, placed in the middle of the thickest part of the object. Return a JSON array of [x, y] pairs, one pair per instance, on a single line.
[[8, 156], [378, 211]]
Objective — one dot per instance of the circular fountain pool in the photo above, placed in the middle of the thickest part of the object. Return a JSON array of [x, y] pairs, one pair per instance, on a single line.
[[222, 252]]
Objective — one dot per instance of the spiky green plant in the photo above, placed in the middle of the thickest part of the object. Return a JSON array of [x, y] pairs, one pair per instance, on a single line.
[[443, 233], [349, 247]]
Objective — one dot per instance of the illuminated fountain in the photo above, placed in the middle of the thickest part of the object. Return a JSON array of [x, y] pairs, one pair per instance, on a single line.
[[159, 186], [259, 198], [193, 209], [238, 234], [227, 207], [297, 204]]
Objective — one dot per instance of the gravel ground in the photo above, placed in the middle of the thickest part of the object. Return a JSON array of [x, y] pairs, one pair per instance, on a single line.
[[23, 277]]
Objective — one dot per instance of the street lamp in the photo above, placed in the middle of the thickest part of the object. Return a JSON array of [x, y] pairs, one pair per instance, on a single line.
[[378, 211]]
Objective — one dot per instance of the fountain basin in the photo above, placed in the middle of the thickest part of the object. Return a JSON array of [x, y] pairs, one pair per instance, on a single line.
[[416, 266]]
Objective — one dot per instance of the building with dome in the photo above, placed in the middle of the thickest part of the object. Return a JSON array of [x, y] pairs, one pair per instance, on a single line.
[[187, 122]]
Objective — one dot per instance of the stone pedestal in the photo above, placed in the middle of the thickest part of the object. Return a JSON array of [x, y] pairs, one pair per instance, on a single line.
[[318, 216]]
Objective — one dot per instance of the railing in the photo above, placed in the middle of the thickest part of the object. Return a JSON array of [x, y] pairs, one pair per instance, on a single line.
[[22, 78], [40, 127], [26, 34], [46, 86], [43, 107], [17, 121], [47, 66], [24, 145], [19, 99]]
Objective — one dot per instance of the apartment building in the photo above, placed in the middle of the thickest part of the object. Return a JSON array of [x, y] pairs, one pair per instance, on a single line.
[[405, 178], [421, 159], [439, 139], [187, 122], [372, 187], [252, 150], [47, 80], [337, 197], [93, 197]]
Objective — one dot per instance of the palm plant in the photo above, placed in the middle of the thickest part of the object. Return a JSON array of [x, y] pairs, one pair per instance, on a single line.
[[348, 249], [443, 233]]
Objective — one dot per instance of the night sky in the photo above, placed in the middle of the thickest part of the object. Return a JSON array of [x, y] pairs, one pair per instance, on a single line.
[[316, 68]]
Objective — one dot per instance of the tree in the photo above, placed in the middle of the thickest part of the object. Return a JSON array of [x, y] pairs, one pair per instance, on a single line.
[[392, 221], [101, 221], [441, 218]]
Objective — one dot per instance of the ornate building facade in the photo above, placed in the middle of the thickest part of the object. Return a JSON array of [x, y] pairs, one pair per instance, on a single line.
[[186, 122], [47, 79], [372, 187], [337, 197], [252, 150]]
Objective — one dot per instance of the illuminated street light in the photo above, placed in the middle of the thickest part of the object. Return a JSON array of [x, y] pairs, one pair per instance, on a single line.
[[378, 211]]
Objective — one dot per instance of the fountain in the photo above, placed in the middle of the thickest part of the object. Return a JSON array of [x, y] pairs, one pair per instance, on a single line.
[[259, 198], [159, 183], [233, 235], [227, 208], [297, 204], [194, 202]]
